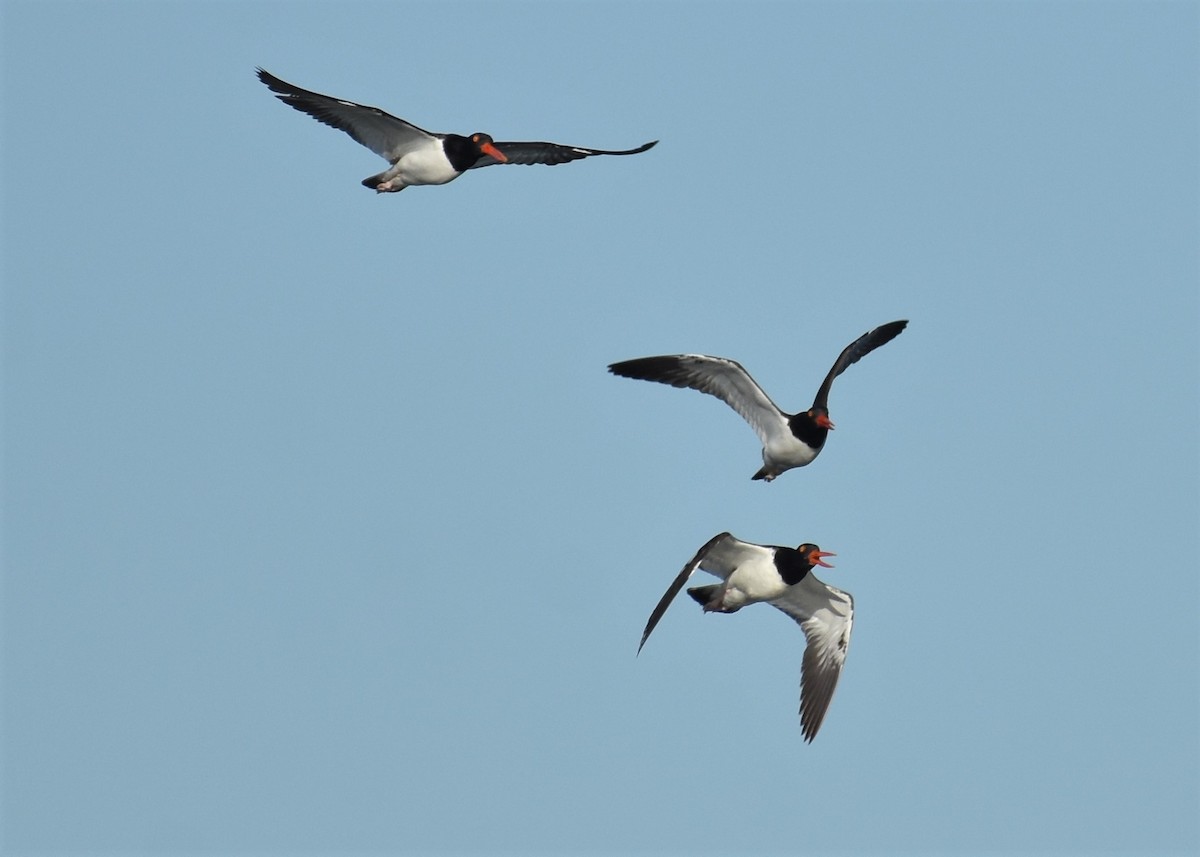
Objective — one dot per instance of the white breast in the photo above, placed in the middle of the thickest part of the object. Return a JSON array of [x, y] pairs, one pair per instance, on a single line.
[[756, 579], [426, 165], [786, 448]]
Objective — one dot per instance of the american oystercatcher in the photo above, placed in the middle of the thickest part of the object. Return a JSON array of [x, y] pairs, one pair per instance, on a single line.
[[789, 440], [782, 577], [420, 157]]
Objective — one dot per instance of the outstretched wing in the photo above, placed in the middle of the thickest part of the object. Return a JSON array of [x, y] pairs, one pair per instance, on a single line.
[[386, 135], [717, 376], [855, 351], [720, 557], [677, 584], [550, 153], [826, 615]]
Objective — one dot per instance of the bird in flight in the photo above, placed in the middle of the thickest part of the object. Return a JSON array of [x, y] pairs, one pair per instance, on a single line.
[[416, 156], [789, 440], [781, 577]]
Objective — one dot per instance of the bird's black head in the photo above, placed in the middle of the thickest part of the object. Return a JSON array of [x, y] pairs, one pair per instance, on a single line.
[[485, 144], [813, 555], [794, 564], [820, 416], [811, 426], [464, 152]]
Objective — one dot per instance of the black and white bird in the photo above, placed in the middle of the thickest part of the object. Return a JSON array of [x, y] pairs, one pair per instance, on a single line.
[[420, 157], [782, 577], [789, 440]]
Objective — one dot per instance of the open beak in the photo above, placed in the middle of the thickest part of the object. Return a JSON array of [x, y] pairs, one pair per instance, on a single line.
[[489, 149], [815, 556]]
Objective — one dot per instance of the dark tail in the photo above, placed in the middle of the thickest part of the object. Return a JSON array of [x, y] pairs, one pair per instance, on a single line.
[[762, 474], [704, 594], [373, 183]]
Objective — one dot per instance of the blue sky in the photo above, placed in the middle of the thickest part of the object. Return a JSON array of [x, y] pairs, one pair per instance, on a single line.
[[325, 529]]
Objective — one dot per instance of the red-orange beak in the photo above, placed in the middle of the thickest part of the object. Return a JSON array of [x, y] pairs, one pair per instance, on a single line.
[[489, 149], [815, 556], [824, 422]]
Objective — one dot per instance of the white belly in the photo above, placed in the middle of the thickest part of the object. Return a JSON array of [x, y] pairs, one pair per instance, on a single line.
[[424, 166], [754, 581], [788, 451]]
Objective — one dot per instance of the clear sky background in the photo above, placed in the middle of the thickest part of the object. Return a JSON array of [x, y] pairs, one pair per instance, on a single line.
[[325, 529]]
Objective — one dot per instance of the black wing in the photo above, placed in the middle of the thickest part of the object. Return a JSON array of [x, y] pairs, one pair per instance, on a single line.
[[721, 377], [384, 134], [550, 153], [855, 351], [677, 584]]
